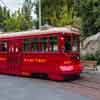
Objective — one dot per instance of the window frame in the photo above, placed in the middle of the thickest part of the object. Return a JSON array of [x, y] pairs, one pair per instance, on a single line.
[[35, 43], [57, 43], [1, 41], [78, 42], [72, 39], [47, 44], [29, 45], [39, 37]]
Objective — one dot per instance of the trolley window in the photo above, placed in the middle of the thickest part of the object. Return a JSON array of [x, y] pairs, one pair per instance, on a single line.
[[67, 44], [71, 44], [53, 44], [43, 44], [26, 45], [3, 46], [34, 45], [75, 46]]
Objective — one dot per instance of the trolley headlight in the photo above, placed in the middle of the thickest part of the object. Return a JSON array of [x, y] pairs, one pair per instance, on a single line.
[[67, 68]]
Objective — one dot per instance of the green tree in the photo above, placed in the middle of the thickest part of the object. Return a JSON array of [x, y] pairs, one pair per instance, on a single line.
[[9, 25], [4, 15], [18, 21], [89, 12], [26, 12], [56, 13]]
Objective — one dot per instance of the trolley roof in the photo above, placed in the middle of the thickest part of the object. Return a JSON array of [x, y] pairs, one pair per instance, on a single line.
[[40, 31]]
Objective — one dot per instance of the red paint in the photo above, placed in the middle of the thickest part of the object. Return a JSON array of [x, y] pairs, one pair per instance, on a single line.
[[17, 62]]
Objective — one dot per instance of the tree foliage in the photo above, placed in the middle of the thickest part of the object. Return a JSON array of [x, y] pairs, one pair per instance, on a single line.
[[84, 14], [4, 15], [89, 12], [18, 21], [56, 13]]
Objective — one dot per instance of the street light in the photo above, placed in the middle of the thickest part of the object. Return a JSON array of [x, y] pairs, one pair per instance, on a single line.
[[39, 13]]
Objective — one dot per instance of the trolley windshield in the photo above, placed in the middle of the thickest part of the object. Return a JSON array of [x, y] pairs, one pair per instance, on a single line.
[[71, 43]]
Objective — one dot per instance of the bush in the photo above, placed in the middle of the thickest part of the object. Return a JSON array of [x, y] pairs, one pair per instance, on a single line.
[[88, 57], [97, 56]]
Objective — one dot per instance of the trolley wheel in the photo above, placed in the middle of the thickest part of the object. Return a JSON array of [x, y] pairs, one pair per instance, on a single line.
[[56, 77], [38, 75]]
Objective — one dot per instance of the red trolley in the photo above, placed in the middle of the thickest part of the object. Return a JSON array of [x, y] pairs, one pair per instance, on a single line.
[[54, 52]]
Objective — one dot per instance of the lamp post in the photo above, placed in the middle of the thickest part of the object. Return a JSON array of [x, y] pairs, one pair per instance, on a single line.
[[39, 13]]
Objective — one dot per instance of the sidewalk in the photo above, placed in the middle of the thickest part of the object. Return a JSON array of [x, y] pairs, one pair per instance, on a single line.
[[91, 73]]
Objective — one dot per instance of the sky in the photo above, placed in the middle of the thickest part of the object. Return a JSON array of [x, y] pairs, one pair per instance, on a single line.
[[14, 5]]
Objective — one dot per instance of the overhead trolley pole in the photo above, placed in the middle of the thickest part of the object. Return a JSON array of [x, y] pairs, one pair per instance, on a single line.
[[39, 13]]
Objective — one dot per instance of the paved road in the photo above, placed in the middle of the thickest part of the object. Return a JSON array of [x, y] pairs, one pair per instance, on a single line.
[[16, 88]]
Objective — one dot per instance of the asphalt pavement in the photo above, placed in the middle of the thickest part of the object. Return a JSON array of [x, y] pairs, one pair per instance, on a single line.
[[19, 88]]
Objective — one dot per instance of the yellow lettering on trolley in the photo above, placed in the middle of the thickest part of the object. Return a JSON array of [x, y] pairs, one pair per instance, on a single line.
[[67, 62], [2, 59], [42, 60], [28, 60], [35, 60]]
